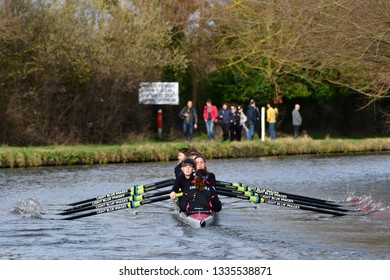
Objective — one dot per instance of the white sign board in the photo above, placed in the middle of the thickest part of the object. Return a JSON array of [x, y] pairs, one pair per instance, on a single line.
[[159, 93]]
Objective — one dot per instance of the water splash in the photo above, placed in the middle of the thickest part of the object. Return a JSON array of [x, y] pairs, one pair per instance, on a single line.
[[368, 205], [28, 208]]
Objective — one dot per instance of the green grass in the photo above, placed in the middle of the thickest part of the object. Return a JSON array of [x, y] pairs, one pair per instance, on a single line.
[[151, 150]]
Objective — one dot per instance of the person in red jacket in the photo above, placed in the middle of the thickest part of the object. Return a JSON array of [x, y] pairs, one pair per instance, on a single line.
[[210, 116]]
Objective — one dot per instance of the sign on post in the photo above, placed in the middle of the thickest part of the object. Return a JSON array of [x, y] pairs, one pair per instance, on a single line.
[[159, 93]]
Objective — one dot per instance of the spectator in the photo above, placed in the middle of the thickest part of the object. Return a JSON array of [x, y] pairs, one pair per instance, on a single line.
[[296, 120], [235, 123], [242, 125], [210, 116], [190, 120], [271, 119], [225, 118], [253, 119]]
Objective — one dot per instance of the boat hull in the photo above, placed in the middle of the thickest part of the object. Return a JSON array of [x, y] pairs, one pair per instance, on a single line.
[[197, 220]]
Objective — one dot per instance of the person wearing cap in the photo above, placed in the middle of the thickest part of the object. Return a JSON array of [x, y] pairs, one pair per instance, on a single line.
[[200, 195], [184, 179]]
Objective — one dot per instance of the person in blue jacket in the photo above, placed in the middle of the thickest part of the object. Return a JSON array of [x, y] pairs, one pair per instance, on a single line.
[[253, 119], [225, 119]]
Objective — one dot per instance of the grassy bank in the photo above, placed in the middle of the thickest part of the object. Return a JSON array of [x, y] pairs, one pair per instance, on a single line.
[[11, 157]]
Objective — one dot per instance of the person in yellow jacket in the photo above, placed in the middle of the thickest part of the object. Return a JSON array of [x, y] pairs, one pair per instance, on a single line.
[[271, 119]]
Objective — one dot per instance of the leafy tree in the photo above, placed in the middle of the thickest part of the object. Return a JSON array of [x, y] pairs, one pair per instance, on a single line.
[[309, 39], [324, 44], [76, 67]]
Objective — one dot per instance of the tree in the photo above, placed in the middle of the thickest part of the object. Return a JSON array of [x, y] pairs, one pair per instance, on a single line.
[[194, 32], [343, 43], [76, 72]]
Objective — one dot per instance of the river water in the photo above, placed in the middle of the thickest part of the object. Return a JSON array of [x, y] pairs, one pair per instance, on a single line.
[[31, 198]]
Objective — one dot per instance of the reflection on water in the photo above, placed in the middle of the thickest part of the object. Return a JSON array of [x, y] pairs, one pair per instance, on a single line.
[[31, 198]]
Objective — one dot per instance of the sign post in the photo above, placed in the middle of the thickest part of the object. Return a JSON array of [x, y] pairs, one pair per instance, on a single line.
[[159, 93], [262, 123], [159, 123]]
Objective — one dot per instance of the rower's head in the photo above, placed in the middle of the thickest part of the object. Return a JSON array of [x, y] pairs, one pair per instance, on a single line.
[[187, 166], [200, 162], [182, 154], [193, 153]]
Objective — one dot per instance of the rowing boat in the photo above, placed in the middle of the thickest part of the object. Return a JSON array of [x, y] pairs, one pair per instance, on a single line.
[[197, 220], [137, 196]]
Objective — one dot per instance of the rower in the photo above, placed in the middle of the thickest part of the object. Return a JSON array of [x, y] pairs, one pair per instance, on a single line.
[[181, 155], [200, 163], [200, 196], [183, 179], [184, 153]]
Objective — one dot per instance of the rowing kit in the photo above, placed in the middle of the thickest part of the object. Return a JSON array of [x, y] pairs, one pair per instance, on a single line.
[[155, 192]]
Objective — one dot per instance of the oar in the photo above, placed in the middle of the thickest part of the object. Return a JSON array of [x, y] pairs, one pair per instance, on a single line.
[[296, 206], [260, 199], [268, 192], [115, 202], [132, 205], [242, 187], [166, 182], [287, 200], [261, 191], [136, 190], [317, 205]]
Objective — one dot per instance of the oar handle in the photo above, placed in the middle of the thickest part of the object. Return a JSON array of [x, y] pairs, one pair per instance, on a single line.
[[254, 199], [136, 204], [236, 191]]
